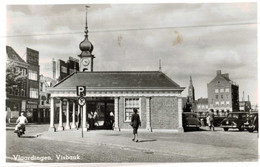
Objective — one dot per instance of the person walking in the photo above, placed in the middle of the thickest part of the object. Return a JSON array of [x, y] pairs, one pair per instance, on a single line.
[[135, 123]]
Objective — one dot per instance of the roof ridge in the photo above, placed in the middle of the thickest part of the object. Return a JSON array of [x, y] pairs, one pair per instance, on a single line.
[[10, 49], [64, 79], [121, 72]]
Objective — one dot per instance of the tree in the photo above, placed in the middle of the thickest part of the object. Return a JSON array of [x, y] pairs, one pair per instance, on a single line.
[[14, 78]]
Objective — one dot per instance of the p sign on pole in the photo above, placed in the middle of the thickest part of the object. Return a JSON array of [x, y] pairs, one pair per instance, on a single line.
[[81, 90]]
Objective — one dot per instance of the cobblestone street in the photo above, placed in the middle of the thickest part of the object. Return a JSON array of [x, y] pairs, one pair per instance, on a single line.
[[110, 146]]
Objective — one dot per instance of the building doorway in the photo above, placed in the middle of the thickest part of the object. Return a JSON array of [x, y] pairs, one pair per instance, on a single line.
[[99, 113]]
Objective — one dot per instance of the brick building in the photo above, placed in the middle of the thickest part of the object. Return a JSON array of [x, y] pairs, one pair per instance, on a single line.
[[152, 93], [223, 94]]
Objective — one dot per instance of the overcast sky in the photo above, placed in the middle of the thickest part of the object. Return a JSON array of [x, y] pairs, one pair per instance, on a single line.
[[215, 37]]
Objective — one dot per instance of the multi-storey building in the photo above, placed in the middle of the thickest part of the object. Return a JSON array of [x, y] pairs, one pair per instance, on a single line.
[[16, 84], [202, 107], [61, 69], [32, 58], [44, 103], [223, 94]]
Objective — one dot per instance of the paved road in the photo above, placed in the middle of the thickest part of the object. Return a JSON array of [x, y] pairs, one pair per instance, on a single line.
[[109, 146]]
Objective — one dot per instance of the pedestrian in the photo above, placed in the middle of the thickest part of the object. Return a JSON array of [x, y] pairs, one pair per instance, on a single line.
[[78, 119], [91, 120], [210, 120], [95, 117], [135, 123], [111, 115]]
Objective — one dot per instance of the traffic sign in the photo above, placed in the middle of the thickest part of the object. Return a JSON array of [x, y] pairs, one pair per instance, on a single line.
[[82, 101], [81, 90]]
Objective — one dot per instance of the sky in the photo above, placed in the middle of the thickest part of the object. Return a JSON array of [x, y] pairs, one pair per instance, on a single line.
[[190, 39]]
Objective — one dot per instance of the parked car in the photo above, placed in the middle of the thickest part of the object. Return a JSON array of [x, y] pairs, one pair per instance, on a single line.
[[251, 123], [234, 120], [190, 121]]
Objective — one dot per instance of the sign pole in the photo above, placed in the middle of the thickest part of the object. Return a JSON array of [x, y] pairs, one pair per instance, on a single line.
[[81, 111]]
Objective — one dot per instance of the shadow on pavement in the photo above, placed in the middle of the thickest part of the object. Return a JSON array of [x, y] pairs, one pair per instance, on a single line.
[[148, 140], [28, 136]]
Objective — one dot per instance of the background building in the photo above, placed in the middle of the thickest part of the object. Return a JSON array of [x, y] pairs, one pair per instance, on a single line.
[[245, 105], [44, 103], [223, 94], [16, 84], [202, 107], [32, 58], [61, 69]]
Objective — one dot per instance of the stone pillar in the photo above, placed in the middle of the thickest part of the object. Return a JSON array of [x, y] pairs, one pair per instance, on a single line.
[[52, 126], [73, 115], [180, 127], [60, 127], [67, 115], [148, 114], [116, 108], [84, 122]]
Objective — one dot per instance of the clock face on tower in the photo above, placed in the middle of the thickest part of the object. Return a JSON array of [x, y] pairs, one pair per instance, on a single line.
[[85, 61]]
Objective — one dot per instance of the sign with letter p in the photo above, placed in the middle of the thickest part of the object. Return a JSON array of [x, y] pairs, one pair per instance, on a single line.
[[81, 90]]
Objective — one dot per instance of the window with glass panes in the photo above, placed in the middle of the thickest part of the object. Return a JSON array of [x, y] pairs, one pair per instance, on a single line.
[[130, 104]]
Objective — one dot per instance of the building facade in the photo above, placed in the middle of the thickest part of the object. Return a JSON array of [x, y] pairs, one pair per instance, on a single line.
[[152, 93], [16, 84], [223, 95], [32, 58], [202, 107], [62, 69], [44, 103]]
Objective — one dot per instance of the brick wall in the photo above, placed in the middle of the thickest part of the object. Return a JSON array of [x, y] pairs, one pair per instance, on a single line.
[[164, 113]]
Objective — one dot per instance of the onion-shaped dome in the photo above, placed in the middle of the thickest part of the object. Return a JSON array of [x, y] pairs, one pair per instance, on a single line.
[[86, 47]]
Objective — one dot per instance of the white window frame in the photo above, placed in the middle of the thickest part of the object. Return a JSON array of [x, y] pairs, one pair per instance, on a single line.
[[227, 103], [221, 90], [217, 103], [33, 75], [227, 90], [34, 93], [216, 91], [131, 107]]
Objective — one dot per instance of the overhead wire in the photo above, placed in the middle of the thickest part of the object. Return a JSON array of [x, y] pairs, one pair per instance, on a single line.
[[133, 29]]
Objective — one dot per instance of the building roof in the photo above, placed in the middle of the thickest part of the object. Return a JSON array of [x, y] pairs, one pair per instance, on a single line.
[[11, 54], [224, 77], [119, 79], [202, 101]]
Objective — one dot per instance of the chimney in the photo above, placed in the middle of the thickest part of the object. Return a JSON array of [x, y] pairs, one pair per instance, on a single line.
[[226, 75], [248, 97], [218, 72], [243, 97]]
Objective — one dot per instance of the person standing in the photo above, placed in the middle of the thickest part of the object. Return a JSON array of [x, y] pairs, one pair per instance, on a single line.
[[135, 122], [210, 119], [112, 118]]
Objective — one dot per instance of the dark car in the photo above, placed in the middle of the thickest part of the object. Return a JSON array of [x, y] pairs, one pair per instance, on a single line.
[[251, 123], [234, 120], [190, 121]]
